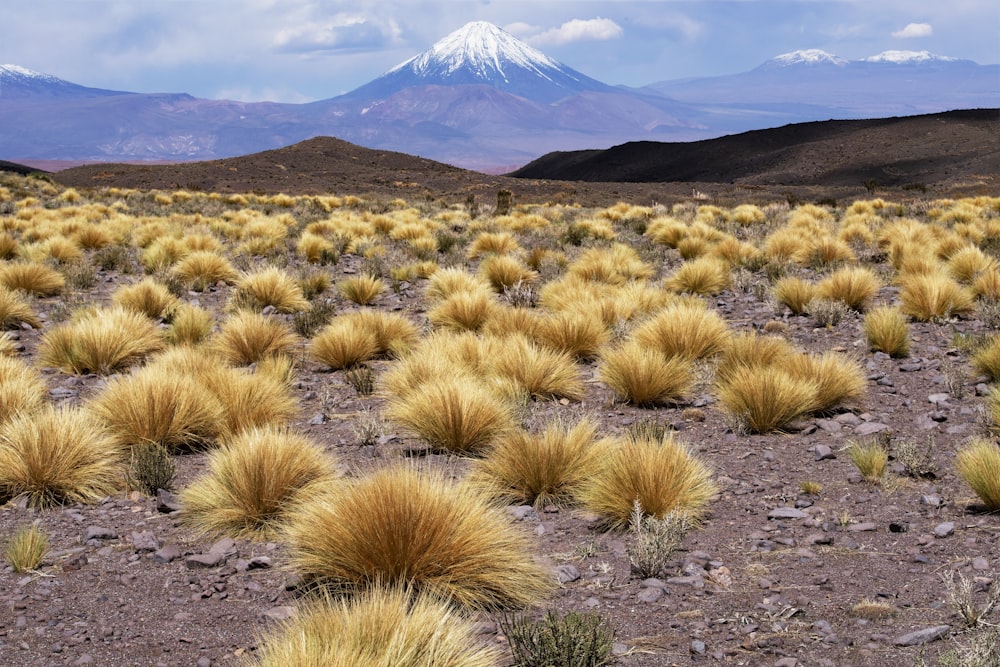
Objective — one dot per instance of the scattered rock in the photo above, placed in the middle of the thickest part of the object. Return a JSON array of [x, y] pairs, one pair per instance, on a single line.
[[98, 533], [281, 613], [697, 647], [166, 502], [980, 564], [166, 554], [823, 452], [931, 499], [209, 559], [787, 513], [945, 529], [144, 541], [919, 637], [870, 428], [567, 573]]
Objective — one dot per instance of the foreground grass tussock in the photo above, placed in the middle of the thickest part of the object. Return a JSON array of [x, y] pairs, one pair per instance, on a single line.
[[341, 345], [252, 479], [887, 331], [761, 399], [147, 297], [22, 389], [100, 341], [987, 359], [33, 278], [269, 287], [57, 455], [384, 627], [400, 526], [978, 463], [644, 376], [541, 372], [684, 330], [26, 548], [246, 337], [14, 311], [934, 296]]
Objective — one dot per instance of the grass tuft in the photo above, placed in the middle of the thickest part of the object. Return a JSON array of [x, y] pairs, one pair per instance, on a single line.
[[270, 287], [146, 297], [26, 548], [762, 399], [934, 296], [14, 311], [887, 331], [987, 359], [100, 341], [22, 389], [795, 294], [644, 376], [854, 286], [341, 345], [686, 330], [362, 290], [583, 639], [32, 277], [871, 458], [246, 337], [978, 463]]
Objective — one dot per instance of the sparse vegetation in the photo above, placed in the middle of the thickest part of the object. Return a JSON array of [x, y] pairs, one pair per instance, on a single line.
[[870, 457], [978, 463], [26, 548], [583, 639]]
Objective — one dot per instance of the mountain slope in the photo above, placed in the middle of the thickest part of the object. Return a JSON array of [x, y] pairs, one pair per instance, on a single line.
[[894, 151], [17, 83]]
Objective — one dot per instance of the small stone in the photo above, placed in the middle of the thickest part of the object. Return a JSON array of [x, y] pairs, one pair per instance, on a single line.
[[650, 594], [938, 399], [697, 647], [567, 573], [931, 499], [85, 659], [786, 662], [258, 563], [166, 554], [144, 541], [945, 529], [318, 419], [862, 527], [870, 428], [980, 564], [786, 513], [899, 527], [98, 533], [910, 367], [203, 661], [166, 502], [823, 452], [226, 547], [919, 637], [522, 512], [75, 563], [829, 425], [203, 560]]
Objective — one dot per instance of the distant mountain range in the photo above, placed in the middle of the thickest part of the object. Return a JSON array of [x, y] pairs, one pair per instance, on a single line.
[[480, 99]]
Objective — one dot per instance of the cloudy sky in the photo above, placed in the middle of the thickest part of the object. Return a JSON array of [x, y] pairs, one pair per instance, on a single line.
[[303, 50]]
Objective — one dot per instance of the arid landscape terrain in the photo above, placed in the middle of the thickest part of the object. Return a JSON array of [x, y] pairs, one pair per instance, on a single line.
[[820, 357]]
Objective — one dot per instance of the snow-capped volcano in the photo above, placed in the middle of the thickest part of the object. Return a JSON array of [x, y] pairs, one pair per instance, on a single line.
[[481, 53], [805, 57], [907, 58], [18, 82]]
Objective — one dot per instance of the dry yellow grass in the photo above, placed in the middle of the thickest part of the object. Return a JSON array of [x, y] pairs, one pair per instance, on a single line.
[[887, 331], [750, 350], [934, 296], [661, 475], [978, 463], [270, 287], [203, 268], [540, 468], [854, 286], [252, 479], [644, 376], [100, 341], [838, 378], [387, 626], [32, 277], [22, 389], [987, 359], [492, 243], [795, 294], [147, 297], [986, 286], [766, 398], [504, 271], [26, 548], [449, 281], [399, 526], [574, 332], [615, 265], [57, 455], [394, 333], [246, 337], [340, 345], [362, 290], [463, 311], [684, 330], [14, 311], [541, 372], [703, 276], [190, 325], [965, 264]]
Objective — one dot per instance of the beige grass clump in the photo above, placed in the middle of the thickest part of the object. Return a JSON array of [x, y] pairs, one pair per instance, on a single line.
[[575, 332], [615, 265], [156, 405], [33, 278], [203, 268], [987, 359], [978, 463], [704, 276], [766, 398], [662, 475], [26, 548], [463, 311], [100, 341], [394, 333], [854, 286], [22, 389], [751, 350], [57, 455], [251, 400], [504, 271], [934, 296], [246, 337], [794, 293], [341, 345], [455, 414], [514, 321], [539, 371], [270, 287], [684, 330], [14, 311], [147, 297], [540, 468], [399, 526], [190, 325], [252, 479], [492, 243], [386, 626], [838, 378], [887, 330], [965, 264], [644, 376], [986, 286], [449, 281], [362, 290]]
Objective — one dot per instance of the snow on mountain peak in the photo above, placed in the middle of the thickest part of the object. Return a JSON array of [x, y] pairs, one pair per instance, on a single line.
[[907, 57], [482, 48], [807, 57], [24, 73]]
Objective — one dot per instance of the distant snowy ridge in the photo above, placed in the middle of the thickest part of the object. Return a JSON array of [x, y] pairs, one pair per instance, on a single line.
[[16, 71], [807, 57], [820, 57], [907, 57], [482, 48]]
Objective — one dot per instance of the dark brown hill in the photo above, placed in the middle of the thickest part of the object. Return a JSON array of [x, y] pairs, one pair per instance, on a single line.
[[950, 147], [16, 168]]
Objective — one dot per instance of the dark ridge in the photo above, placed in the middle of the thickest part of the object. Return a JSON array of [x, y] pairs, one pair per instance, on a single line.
[[20, 169], [933, 148]]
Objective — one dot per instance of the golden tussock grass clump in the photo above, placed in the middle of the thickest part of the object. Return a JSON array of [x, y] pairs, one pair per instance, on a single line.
[[934, 296], [684, 330], [453, 413], [761, 399], [57, 455], [993, 408], [57, 249], [838, 378], [22, 389], [644, 376], [251, 480], [449, 281], [361, 290], [147, 297], [987, 359], [251, 400], [541, 372], [341, 345], [394, 333], [854, 286], [513, 321], [9, 246], [162, 253], [505, 271], [33, 278], [492, 243], [987, 285], [666, 231], [693, 247], [887, 330], [463, 311], [734, 252], [100, 341], [270, 287], [14, 311], [662, 475], [400, 526], [615, 265], [246, 337], [978, 463], [706, 276], [386, 626], [870, 458], [202, 268], [575, 332], [26, 548], [190, 325], [540, 468], [750, 350], [966, 264], [156, 405], [8, 348], [316, 249], [787, 245], [746, 215], [828, 250]]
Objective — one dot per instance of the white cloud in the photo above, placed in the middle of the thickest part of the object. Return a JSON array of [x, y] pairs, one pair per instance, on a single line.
[[579, 30], [342, 32], [521, 29], [914, 30]]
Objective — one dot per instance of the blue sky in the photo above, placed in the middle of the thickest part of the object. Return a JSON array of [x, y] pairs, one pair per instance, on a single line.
[[303, 50]]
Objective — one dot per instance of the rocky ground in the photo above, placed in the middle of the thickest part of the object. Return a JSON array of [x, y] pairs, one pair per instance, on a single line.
[[771, 578]]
